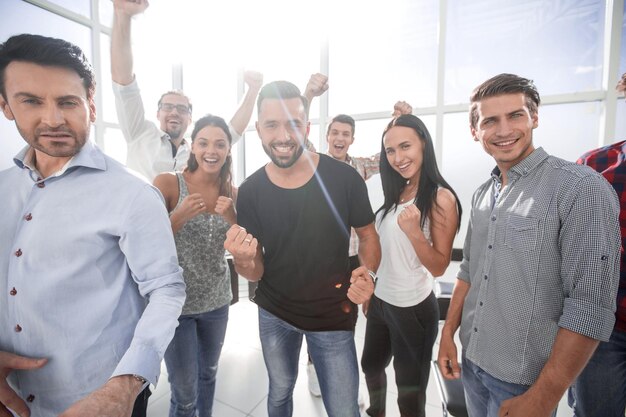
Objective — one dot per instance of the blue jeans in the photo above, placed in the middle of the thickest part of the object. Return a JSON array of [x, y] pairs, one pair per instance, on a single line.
[[334, 358], [600, 390], [191, 361], [484, 393]]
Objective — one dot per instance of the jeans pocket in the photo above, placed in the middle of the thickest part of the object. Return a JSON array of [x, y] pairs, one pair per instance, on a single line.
[[521, 233]]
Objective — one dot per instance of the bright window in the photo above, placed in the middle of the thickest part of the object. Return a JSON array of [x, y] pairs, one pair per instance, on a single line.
[[558, 44]]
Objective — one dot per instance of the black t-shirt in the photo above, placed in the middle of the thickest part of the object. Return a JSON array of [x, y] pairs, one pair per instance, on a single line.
[[305, 234]]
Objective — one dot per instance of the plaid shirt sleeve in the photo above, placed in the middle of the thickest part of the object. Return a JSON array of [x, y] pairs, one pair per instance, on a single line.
[[366, 167], [610, 161]]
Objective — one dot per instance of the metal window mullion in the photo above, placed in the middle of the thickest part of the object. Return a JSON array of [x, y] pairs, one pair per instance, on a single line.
[[240, 174], [322, 144], [610, 75], [441, 70], [62, 11], [97, 65]]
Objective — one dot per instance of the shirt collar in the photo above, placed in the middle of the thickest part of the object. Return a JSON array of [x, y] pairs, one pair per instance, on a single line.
[[89, 156], [168, 138], [524, 166]]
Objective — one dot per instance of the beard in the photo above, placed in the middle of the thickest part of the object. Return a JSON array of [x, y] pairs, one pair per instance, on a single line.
[[62, 148], [175, 132], [284, 163]]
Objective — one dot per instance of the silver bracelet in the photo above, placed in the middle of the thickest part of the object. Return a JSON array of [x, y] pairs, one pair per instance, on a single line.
[[373, 276], [140, 379]]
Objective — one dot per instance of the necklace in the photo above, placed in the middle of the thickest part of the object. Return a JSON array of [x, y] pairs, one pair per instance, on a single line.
[[410, 194]]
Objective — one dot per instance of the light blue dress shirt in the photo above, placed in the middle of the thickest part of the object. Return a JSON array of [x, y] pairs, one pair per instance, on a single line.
[[89, 277]]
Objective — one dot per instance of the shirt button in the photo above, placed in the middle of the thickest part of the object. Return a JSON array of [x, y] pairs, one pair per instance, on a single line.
[[30, 398], [13, 291], [604, 257], [28, 217], [493, 218], [480, 303], [485, 276], [41, 185], [18, 253], [18, 328], [475, 329], [490, 246]]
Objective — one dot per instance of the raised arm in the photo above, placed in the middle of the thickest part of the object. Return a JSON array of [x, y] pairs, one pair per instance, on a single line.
[[400, 108], [121, 50], [317, 85], [241, 118]]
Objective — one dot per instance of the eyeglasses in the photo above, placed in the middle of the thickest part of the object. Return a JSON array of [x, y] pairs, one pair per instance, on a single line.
[[169, 107]]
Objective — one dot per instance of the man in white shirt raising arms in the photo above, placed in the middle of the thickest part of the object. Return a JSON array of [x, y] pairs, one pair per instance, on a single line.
[[155, 149]]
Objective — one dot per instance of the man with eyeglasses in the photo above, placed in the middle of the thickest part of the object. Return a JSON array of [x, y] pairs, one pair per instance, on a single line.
[[155, 149]]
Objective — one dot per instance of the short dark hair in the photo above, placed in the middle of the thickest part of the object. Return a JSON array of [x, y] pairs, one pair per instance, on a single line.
[[176, 93], [504, 84], [42, 50], [281, 90], [342, 118]]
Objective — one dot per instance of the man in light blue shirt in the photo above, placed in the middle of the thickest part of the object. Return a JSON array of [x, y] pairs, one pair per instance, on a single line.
[[89, 278]]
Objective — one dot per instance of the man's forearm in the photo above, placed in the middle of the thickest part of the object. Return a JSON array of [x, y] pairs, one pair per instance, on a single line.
[[455, 309], [570, 353], [121, 50], [250, 270], [369, 252], [242, 116]]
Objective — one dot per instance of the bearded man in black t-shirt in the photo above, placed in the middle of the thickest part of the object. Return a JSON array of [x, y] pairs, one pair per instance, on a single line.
[[294, 217]]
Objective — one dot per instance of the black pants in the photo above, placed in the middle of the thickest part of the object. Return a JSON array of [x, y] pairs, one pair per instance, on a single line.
[[141, 403], [407, 334]]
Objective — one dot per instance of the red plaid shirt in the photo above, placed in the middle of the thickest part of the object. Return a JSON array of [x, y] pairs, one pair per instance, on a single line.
[[610, 161]]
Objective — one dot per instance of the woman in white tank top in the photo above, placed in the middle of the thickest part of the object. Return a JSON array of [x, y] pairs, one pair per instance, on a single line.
[[416, 224]]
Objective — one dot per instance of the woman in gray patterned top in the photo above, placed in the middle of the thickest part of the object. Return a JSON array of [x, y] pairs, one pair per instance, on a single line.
[[200, 202]]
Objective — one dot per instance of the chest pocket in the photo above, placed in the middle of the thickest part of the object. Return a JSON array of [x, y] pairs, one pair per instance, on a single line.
[[521, 233]]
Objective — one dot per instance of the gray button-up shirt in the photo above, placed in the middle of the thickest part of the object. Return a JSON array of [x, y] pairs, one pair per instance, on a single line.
[[540, 253]]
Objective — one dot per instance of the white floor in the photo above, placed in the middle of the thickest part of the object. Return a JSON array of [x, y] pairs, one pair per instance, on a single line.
[[242, 380]]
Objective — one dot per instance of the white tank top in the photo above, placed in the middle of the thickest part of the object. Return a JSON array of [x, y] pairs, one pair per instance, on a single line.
[[402, 279]]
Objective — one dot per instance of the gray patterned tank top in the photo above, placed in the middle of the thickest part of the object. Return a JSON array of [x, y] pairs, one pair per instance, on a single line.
[[200, 246]]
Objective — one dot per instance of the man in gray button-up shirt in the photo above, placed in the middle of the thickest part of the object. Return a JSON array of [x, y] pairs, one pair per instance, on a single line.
[[537, 285]]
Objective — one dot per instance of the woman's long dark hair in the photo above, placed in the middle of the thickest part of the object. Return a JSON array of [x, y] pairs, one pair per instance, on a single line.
[[225, 176], [430, 177]]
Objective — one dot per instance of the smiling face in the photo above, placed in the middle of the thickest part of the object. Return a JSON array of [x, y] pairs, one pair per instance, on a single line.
[[210, 148], [283, 128], [172, 120], [405, 152], [505, 128], [50, 108], [339, 137]]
